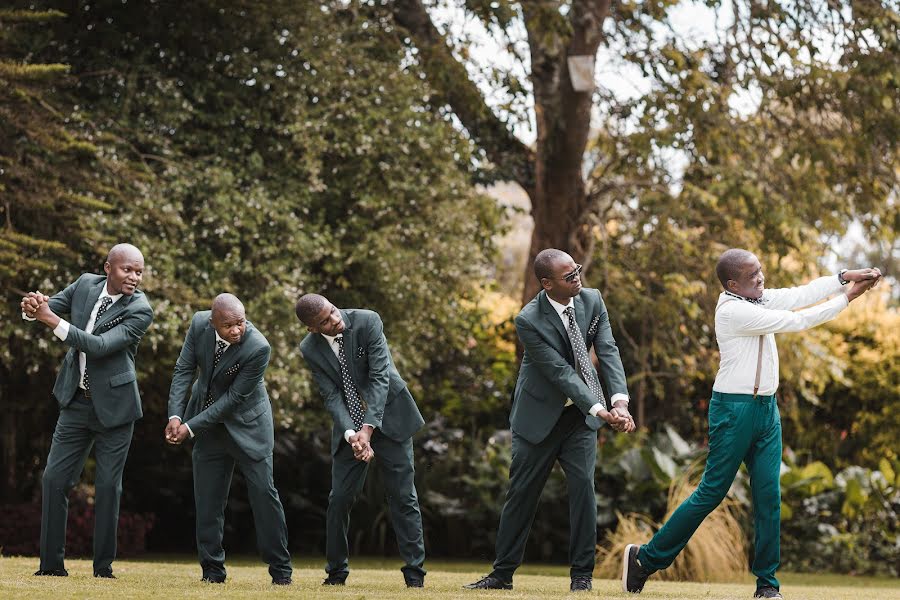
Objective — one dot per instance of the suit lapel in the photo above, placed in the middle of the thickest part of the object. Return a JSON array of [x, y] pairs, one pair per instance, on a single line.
[[552, 317], [350, 345], [114, 311], [324, 348], [89, 303], [580, 317]]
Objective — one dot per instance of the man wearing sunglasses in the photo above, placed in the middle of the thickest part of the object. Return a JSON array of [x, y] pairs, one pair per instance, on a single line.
[[558, 406]]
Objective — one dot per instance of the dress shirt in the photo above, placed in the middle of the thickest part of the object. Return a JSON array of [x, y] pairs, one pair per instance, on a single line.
[[560, 308], [227, 346], [332, 342], [739, 323], [62, 330]]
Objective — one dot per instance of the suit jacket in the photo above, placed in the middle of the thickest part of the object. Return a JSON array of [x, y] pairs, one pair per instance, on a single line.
[[109, 349], [548, 376], [391, 408], [241, 401]]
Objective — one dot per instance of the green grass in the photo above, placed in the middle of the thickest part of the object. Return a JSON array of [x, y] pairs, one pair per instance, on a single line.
[[178, 578]]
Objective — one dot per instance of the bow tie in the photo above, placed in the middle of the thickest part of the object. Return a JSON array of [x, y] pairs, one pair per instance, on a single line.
[[750, 300]]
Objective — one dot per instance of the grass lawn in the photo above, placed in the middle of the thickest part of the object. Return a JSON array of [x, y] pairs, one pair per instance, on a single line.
[[178, 578]]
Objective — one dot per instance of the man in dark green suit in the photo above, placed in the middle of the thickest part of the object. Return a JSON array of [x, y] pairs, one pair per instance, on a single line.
[[557, 408], [373, 413], [229, 417], [97, 392]]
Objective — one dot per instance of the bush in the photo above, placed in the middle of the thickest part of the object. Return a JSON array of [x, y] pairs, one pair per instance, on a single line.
[[20, 529], [846, 523]]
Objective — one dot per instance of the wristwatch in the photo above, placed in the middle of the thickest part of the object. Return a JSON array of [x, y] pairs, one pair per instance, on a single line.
[[841, 277]]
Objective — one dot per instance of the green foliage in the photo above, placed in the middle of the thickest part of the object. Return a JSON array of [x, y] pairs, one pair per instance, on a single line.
[[842, 386], [267, 153], [848, 523]]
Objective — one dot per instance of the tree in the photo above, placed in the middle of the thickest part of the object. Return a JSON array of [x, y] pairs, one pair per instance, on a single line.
[[56, 174], [822, 79]]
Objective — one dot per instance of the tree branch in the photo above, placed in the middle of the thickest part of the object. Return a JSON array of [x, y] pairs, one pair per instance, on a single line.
[[450, 80]]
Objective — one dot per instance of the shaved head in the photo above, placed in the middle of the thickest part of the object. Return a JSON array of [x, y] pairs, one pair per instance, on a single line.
[[732, 263], [228, 318], [309, 306], [124, 253], [546, 260], [227, 303]]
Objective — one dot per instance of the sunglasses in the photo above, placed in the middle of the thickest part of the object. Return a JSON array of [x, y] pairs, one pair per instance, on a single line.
[[570, 277]]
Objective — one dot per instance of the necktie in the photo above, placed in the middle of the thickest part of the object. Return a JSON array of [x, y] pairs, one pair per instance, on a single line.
[[104, 305], [351, 394], [581, 357], [220, 350]]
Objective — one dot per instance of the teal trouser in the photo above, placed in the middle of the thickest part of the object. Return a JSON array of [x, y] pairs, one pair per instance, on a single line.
[[574, 445], [395, 460], [741, 429], [77, 429], [214, 457]]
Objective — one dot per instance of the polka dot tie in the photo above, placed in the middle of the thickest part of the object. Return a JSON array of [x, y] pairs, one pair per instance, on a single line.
[[220, 350], [351, 394], [104, 306], [581, 357]]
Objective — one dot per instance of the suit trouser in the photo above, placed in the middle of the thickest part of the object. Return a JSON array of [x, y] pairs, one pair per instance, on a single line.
[[214, 456], [77, 430], [574, 445], [741, 429], [395, 460]]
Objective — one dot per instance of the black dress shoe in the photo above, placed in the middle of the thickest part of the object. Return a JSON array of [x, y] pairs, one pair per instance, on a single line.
[[335, 580], [634, 575], [105, 574], [211, 578], [414, 582], [51, 573], [281, 581], [489, 583], [767, 591], [580, 584]]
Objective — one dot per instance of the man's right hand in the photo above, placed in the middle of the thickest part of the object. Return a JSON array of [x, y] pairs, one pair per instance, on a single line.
[[172, 430], [615, 420], [32, 302], [861, 287]]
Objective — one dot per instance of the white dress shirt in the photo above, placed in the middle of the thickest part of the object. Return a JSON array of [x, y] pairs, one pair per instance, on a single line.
[[227, 346], [560, 308], [332, 341], [739, 323]]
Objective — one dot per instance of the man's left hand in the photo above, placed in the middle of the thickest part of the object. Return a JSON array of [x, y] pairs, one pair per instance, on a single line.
[[621, 410], [360, 442], [862, 274], [181, 434]]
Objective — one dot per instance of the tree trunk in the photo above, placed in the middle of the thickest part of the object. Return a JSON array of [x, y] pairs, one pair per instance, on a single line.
[[552, 174]]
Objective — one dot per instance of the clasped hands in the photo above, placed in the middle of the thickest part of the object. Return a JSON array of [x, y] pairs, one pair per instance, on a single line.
[[619, 418], [361, 444], [863, 280], [176, 432], [34, 306]]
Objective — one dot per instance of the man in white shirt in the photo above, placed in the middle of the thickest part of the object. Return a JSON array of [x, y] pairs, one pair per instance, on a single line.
[[98, 397], [744, 424]]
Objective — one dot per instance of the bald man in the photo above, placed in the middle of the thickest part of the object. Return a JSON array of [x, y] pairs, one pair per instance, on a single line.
[[744, 424], [98, 397], [228, 415]]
